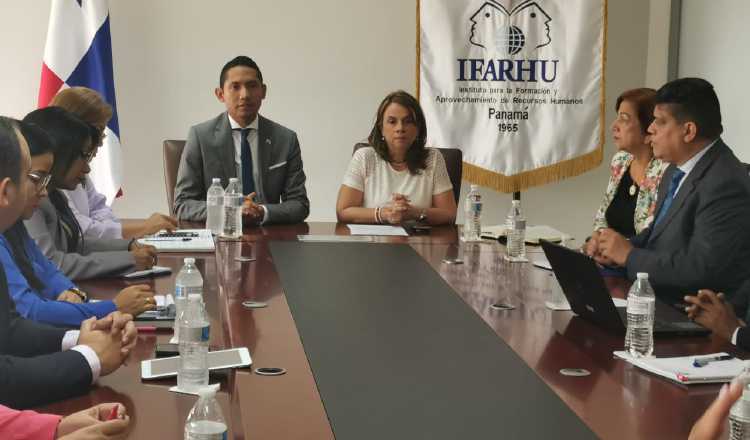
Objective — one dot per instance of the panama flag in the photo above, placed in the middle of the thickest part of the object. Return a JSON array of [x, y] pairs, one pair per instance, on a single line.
[[78, 52]]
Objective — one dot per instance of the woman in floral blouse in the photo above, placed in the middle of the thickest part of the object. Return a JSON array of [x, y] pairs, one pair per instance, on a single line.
[[628, 205]]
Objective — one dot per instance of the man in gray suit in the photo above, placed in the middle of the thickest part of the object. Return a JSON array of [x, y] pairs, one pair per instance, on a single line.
[[264, 155], [700, 237]]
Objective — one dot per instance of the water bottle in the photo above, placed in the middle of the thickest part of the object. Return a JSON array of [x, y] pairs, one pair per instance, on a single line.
[[639, 339], [233, 210], [515, 229], [214, 207], [739, 415], [205, 421], [194, 330], [473, 215], [189, 282]]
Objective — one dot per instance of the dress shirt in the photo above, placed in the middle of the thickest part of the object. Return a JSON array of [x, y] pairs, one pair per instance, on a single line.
[[688, 166], [252, 139], [69, 343], [734, 336], [97, 220]]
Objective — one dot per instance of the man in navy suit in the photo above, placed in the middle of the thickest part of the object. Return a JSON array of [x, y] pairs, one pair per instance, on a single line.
[[38, 363], [700, 237], [241, 143]]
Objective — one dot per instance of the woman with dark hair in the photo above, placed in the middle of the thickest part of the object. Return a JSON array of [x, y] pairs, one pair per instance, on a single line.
[[630, 198], [41, 292], [54, 226], [89, 206], [397, 178]]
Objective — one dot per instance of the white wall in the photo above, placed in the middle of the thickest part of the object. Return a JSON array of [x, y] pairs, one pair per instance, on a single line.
[[327, 64], [714, 41]]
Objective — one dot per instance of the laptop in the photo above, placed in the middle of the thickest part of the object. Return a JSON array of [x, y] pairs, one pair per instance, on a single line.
[[589, 297]]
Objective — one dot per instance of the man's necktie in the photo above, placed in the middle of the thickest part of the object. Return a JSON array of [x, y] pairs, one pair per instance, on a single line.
[[673, 185], [246, 157]]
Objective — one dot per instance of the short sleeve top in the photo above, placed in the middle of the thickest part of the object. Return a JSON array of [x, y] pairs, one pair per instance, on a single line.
[[377, 179]]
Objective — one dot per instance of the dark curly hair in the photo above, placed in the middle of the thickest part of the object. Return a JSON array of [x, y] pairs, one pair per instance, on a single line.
[[416, 155]]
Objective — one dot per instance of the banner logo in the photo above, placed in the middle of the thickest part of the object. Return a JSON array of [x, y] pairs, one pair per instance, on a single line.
[[505, 33]]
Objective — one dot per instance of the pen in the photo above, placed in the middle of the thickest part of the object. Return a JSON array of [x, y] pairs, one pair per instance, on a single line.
[[113, 413], [702, 362]]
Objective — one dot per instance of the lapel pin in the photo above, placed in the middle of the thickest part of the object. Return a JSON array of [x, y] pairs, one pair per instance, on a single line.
[[268, 141]]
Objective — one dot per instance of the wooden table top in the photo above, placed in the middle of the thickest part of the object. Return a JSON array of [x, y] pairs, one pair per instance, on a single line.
[[616, 401]]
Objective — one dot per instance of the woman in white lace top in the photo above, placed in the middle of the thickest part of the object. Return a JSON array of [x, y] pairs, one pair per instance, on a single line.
[[397, 178]]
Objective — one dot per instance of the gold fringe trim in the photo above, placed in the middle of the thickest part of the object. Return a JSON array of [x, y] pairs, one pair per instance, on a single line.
[[528, 179], [548, 174]]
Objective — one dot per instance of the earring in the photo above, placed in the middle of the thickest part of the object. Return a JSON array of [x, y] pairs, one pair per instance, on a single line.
[[382, 138]]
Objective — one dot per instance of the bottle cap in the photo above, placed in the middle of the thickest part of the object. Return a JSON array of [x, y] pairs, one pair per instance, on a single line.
[[216, 180], [233, 179], [474, 187], [642, 276], [189, 260]]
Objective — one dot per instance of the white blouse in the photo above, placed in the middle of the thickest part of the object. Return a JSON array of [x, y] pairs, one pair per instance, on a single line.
[[378, 180]]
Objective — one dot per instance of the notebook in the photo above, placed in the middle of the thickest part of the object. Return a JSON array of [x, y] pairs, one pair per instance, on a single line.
[[181, 240], [682, 370]]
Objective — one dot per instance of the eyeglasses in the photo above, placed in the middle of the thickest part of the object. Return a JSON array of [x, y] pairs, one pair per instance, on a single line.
[[40, 180], [88, 156]]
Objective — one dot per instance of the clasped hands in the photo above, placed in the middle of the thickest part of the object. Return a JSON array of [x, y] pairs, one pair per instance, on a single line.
[[398, 210], [712, 311], [608, 248], [112, 338], [251, 211]]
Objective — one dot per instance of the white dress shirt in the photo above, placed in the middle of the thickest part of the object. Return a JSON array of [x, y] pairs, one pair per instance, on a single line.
[[252, 139], [688, 166], [69, 343]]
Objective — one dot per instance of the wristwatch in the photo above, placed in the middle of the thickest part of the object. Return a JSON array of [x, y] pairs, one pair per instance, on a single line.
[[422, 216], [84, 297]]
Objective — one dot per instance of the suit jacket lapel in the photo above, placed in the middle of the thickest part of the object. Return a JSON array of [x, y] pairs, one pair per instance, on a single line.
[[687, 188], [224, 145], [264, 153]]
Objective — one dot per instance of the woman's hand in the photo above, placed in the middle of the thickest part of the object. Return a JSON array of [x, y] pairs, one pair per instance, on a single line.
[[88, 417], [135, 300], [156, 223], [591, 247], [69, 296]]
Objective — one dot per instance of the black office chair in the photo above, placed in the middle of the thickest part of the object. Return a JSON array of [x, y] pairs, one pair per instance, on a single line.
[[747, 167], [453, 163]]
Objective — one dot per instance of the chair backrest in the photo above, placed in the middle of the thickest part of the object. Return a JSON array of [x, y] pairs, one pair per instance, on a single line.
[[747, 167], [453, 162], [172, 153]]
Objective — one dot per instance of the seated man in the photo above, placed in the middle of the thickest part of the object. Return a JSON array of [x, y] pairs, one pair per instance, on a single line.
[[699, 237], [264, 155], [710, 310], [41, 364]]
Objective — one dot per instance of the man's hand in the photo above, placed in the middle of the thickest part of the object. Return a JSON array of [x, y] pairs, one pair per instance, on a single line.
[[251, 211], [613, 247], [120, 323], [108, 346], [145, 256], [591, 247], [156, 223], [711, 424], [711, 311], [88, 417], [135, 300], [70, 297]]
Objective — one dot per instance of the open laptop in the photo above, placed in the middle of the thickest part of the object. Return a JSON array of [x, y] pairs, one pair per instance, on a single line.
[[589, 297]]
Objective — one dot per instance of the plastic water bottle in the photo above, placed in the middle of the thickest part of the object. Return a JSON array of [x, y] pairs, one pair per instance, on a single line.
[[739, 415], [233, 210], [639, 339], [214, 207], [515, 229], [473, 215], [189, 282], [194, 332], [205, 421]]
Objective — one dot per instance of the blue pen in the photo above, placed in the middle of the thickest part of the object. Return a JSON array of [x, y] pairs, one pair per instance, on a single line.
[[702, 362]]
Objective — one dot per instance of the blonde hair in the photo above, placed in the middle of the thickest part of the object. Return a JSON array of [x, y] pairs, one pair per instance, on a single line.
[[85, 103]]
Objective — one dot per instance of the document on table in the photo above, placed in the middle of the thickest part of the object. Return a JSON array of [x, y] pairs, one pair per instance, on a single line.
[[377, 230], [181, 240], [682, 370]]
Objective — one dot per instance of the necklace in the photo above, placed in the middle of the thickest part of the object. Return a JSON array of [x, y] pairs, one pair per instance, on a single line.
[[633, 189]]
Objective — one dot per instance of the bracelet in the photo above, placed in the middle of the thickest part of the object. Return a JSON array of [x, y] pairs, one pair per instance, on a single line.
[[378, 219]]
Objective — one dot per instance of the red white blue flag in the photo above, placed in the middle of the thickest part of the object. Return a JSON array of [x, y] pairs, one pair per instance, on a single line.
[[78, 52]]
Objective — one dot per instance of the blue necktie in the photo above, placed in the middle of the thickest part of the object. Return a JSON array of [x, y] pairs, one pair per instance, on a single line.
[[673, 185], [246, 157]]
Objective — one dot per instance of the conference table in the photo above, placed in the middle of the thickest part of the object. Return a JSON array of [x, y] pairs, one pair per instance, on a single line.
[[616, 401]]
